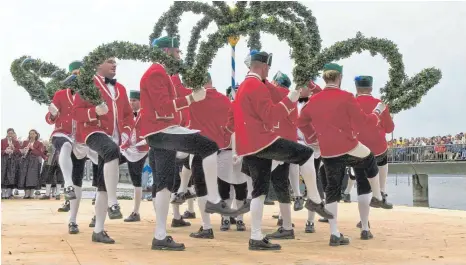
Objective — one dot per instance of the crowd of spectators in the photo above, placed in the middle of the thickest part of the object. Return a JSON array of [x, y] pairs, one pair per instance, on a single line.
[[436, 148]]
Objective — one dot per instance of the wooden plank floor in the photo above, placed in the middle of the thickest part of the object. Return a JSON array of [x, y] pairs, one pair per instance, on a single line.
[[33, 232]]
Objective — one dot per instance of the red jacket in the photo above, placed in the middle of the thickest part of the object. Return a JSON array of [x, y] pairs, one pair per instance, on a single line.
[[231, 120], [5, 145], [63, 100], [374, 136], [135, 136], [161, 101], [183, 91], [286, 127], [330, 115], [210, 116], [255, 115], [38, 149], [119, 109]]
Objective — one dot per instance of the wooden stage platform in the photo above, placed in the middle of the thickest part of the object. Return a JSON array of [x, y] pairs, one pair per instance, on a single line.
[[33, 232]]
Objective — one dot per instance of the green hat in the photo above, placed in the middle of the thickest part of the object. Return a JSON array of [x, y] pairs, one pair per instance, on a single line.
[[166, 42], [262, 57], [75, 65], [333, 66], [282, 79], [363, 81], [134, 94]]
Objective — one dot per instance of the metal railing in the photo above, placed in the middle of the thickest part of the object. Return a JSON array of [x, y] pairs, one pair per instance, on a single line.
[[429, 153]]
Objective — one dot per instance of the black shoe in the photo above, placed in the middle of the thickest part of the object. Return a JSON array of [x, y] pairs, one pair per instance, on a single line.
[[245, 208], [275, 216], [70, 194], [133, 217], [232, 220], [225, 225], [189, 215], [346, 197], [309, 227], [167, 244], [179, 198], [189, 195], [92, 223], [102, 237], [281, 233], [298, 204], [268, 202], [263, 244], [376, 203], [240, 226], [93, 201], [73, 228], [114, 212], [359, 225], [319, 208], [323, 220], [366, 235], [44, 197], [57, 197], [180, 223], [280, 223], [338, 241], [221, 208], [65, 207], [207, 234]]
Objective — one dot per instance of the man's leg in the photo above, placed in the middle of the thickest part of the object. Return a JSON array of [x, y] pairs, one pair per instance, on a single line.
[[135, 172], [349, 187], [177, 220], [77, 179], [294, 181], [224, 191], [241, 193], [110, 153], [164, 162], [364, 200]]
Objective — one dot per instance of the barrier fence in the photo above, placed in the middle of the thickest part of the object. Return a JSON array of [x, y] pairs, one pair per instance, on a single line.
[[429, 153]]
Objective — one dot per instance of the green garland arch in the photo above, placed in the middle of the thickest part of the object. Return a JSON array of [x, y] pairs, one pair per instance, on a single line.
[[28, 73], [401, 93]]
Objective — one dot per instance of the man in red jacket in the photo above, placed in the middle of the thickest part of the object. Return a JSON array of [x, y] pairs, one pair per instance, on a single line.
[[161, 119], [255, 116], [329, 117], [374, 138], [103, 128], [60, 115]]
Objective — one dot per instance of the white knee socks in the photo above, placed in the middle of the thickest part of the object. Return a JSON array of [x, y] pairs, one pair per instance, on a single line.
[[308, 173], [191, 205], [364, 208], [375, 186], [205, 217], [333, 209], [185, 176], [349, 187], [74, 204], [66, 164], [239, 204], [176, 211], [57, 190], [250, 188], [311, 216], [101, 202], [383, 172], [257, 210], [137, 199], [48, 188], [294, 179], [209, 165], [285, 211], [111, 176], [162, 204]]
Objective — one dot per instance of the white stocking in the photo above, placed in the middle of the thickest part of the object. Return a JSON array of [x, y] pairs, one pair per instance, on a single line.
[[66, 164]]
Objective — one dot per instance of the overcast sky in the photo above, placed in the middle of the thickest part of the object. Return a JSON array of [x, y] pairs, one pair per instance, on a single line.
[[427, 34]]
